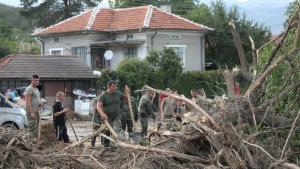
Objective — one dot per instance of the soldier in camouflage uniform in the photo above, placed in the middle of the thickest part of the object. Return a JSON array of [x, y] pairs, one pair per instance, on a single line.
[[145, 108], [109, 108], [97, 120], [126, 115]]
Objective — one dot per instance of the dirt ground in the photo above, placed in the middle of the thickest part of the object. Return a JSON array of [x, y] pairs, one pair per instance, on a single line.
[[85, 128]]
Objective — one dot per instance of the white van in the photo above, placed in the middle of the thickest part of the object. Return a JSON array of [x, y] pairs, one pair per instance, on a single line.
[[12, 115]]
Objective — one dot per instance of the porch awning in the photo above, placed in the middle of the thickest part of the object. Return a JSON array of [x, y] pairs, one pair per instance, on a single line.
[[119, 42]]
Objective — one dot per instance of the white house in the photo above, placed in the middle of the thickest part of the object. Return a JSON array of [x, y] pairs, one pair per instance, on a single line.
[[128, 33]]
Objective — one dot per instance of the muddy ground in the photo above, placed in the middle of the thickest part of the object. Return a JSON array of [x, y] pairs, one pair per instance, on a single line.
[[85, 128]]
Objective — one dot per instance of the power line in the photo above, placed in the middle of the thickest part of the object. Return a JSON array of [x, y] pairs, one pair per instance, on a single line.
[[276, 25]]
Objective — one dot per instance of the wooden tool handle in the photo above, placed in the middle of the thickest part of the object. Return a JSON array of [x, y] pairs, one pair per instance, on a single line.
[[39, 129], [72, 126], [130, 108]]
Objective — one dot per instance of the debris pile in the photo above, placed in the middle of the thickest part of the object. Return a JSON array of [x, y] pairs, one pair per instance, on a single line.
[[17, 151]]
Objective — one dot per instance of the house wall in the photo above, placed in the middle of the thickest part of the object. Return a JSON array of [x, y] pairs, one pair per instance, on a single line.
[[191, 40], [67, 42], [118, 50], [52, 88], [194, 60]]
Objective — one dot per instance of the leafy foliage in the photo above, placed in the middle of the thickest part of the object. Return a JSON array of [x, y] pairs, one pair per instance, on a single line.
[[33, 48], [50, 12], [169, 64], [290, 11], [284, 75], [220, 46], [12, 14], [134, 73], [7, 44], [179, 7], [106, 75]]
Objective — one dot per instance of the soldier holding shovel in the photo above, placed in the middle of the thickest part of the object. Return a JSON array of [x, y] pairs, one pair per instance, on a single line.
[[108, 106]]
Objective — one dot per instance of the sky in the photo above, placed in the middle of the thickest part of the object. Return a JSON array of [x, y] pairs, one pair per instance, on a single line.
[[271, 12]]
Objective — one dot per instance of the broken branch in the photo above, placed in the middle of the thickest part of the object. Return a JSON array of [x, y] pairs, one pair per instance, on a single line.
[[203, 112], [283, 154], [239, 47], [169, 153]]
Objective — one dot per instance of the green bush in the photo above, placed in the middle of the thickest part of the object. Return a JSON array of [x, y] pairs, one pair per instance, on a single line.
[[133, 72]]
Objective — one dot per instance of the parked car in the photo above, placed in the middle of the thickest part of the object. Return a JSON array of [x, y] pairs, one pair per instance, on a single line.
[[12, 115]]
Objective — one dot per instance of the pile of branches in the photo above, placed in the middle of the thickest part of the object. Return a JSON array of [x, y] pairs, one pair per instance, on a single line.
[[17, 151], [215, 139]]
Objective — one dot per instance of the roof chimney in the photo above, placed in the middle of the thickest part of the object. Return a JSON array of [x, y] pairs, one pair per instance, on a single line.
[[166, 8]]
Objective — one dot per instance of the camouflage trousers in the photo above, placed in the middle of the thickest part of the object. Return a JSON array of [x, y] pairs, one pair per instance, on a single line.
[[126, 122], [97, 122], [33, 124], [116, 125], [168, 116], [144, 125]]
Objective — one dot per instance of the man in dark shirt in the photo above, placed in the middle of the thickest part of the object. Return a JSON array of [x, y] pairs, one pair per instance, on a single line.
[[108, 107], [59, 118]]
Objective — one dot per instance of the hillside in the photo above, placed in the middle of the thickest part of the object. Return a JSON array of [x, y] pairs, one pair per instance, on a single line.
[[12, 15]]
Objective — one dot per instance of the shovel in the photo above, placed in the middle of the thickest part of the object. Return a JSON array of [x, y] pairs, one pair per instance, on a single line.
[[39, 128], [137, 138], [80, 145]]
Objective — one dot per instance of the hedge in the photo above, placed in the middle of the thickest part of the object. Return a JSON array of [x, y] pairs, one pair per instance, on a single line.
[[211, 81]]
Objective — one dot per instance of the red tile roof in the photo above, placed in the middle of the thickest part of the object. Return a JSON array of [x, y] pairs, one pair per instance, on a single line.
[[108, 20], [5, 60], [76, 23], [275, 36]]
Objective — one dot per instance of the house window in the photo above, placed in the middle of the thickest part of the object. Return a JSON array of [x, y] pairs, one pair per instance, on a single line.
[[56, 40], [130, 52], [175, 37], [56, 51], [81, 85], [12, 84], [81, 52], [180, 51], [129, 37]]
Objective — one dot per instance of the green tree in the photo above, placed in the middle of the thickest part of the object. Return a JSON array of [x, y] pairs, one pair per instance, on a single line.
[[169, 67], [134, 73], [12, 14], [32, 48], [50, 12], [179, 7], [7, 43], [220, 46], [290, 11]]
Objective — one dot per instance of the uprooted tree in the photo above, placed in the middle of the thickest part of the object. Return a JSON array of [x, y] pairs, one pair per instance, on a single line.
[[222, 124]]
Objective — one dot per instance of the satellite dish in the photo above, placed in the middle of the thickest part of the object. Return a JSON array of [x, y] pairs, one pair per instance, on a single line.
[[108, 54]]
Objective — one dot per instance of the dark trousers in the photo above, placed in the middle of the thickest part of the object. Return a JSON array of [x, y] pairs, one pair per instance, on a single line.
[[93, 141], [62, 134], [128, 123]]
